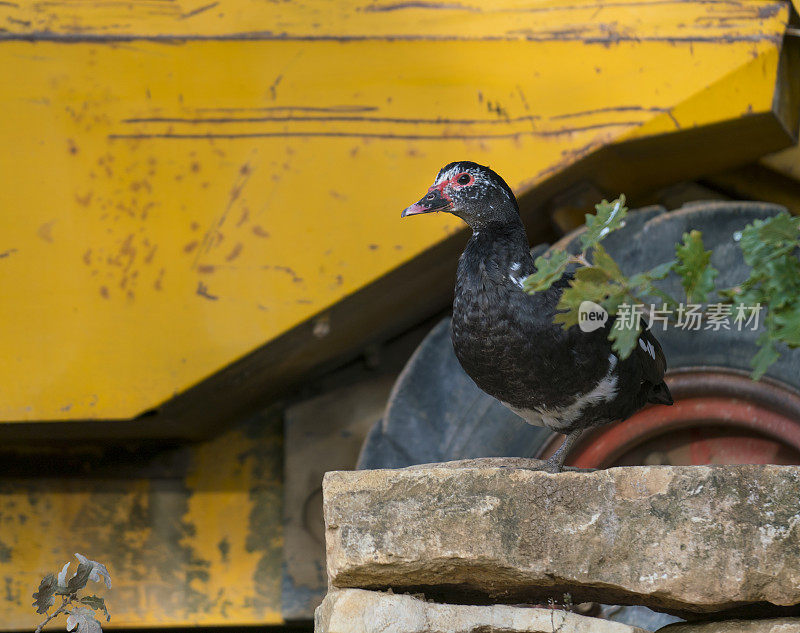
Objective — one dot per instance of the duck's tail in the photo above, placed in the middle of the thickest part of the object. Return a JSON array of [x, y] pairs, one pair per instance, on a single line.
[[660, 394]]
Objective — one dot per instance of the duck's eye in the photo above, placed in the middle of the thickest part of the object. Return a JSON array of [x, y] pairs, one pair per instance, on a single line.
[[464, 179]]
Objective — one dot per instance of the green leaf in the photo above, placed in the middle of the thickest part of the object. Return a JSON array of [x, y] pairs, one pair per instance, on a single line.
[[729, 293], [781, 229], [781, 280], [609, 217], [62, 576], [548, 271], [99, 571], [694, 267], [642, 284], [769, 246], [81, 577], [83, 620], [666, 298], [787, 325], [591, 274], [623, 337], [662, 270], [751, 296], [45, 597], [615, 298], [767, 355], [96, 602], [763, 239], [602, 260], [643, 281], [753, 247], [572, 297]]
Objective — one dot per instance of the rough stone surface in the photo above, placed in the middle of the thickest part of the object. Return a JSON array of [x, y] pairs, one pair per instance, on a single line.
[[772, 625], [359, 611], [685, 539]]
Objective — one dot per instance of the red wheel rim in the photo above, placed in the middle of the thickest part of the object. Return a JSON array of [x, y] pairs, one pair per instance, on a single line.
[[720, 416]]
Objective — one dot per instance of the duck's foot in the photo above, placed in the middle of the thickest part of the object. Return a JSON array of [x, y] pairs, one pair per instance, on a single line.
[[555, 463]]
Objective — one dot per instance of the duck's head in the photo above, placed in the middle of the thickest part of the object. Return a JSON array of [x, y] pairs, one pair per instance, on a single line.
[[472, 192]]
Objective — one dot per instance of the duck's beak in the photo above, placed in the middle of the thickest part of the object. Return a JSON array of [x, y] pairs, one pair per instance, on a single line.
[[434, 200]]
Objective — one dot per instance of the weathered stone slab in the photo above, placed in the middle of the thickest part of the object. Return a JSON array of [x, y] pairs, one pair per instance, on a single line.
[[691, 539], [359, 611], [772, 625]]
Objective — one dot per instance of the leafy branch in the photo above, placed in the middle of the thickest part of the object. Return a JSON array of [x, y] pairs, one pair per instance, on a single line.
[[769, 247], [79, 609]]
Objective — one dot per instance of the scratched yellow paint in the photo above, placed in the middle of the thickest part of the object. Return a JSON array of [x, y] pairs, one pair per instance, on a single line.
[[198, 543], [244, 577], [730, 91], [167, 207], [500, 19]]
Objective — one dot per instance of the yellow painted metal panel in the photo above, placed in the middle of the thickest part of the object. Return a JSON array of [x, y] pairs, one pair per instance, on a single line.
[[674, 21], [731, 92], [190, 536], [167, 209]]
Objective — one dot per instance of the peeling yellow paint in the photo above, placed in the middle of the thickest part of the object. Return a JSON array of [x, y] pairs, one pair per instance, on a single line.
[[191, 536], [632, 20], [731, 91]]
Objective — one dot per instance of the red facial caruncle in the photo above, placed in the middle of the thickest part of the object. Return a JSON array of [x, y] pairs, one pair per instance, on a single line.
[[464, 179], [438, 199]]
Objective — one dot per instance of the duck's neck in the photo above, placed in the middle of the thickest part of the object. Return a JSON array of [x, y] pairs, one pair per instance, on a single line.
[[506, 238], [499, 252]]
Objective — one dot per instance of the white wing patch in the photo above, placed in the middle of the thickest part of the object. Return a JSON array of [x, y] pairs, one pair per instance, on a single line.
[[647, 346], [559, 419], [516, 280]]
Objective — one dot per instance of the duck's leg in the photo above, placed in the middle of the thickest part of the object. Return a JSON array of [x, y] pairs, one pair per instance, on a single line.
[[555, 462]]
